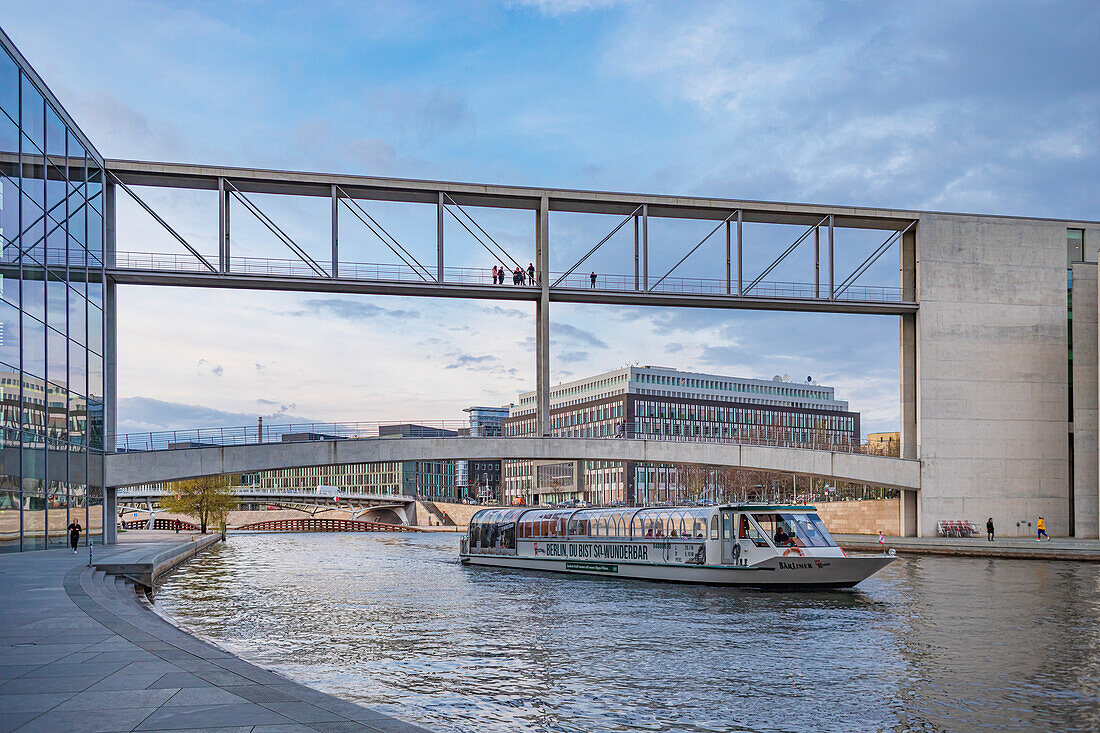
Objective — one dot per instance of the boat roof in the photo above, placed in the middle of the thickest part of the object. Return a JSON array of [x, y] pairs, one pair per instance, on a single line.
[[770, 507]]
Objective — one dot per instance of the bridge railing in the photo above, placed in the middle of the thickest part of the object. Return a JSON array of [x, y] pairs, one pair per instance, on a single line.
[[776, 437], [289, 433], [272, 267]]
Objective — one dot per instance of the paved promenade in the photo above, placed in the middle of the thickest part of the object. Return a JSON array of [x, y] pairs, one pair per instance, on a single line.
[[1021, 548], [79, 651]]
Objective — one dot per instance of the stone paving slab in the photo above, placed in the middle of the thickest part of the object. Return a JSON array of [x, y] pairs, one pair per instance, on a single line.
[[1020, 548], [79, 651]]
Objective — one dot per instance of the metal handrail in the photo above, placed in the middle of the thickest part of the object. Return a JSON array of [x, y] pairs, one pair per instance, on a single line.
[[272, 267], [295, 432]]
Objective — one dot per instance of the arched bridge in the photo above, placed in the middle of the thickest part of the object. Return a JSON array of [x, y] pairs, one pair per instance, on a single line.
[[129, 469]]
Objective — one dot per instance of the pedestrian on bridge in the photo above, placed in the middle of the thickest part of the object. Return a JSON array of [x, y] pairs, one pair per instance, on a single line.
[[531, 273], [500, 274], [74, 534], [494, 274], [989, 528]]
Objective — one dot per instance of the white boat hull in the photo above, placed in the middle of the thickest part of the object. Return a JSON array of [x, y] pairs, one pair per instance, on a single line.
[[777, 572]]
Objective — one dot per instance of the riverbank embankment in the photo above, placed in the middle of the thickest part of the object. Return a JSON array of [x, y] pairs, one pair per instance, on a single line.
[[1018, 548], [79, 647]]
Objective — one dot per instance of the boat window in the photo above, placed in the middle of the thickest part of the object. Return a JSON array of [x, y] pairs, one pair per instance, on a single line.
[[811, 530], [795, 529], [748, 530], [714, 527]]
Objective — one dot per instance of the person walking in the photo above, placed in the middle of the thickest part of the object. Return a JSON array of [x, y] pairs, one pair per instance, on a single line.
[[500, 274], [989, 528], [177, 526], [592, 278], [531, 273], [1041, 526], [74, 534], [882, 541], [518, 276], [494, 274]]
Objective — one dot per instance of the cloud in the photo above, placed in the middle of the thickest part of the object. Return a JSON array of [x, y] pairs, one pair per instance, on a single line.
[[471, 361], [570, 333], [567, 7], [496, 310], [572, 356], [146, 414], [353, 310]]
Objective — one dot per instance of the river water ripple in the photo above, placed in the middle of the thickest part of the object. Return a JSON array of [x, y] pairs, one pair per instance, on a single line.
[[396, 623]]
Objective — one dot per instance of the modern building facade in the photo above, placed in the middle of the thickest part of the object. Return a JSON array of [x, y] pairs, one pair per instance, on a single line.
[[52, 276], [481, 479], [665, 404], [429, 479]]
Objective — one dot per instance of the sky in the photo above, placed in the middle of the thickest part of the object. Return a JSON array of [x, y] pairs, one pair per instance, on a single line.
[[985, 107]]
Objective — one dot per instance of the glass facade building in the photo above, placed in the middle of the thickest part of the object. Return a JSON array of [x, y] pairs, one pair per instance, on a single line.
[[51, 317]]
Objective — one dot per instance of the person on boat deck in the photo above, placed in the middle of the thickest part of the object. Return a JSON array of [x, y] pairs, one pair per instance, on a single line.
[[782, 539]]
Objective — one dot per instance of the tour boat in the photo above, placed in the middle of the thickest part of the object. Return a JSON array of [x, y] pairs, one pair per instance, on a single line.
[[756, 545]]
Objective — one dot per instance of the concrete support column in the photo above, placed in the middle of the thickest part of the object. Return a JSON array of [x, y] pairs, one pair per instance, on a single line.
[[223, 226], [542, 316], [335, 232], [110, 401], [910, 433], [109, 246]]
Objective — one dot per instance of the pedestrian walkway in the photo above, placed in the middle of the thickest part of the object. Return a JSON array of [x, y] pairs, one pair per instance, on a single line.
[[1022, 548], [80, 651]]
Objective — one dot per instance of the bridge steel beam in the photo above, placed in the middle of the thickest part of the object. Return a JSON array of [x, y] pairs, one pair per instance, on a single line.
[[305, 284], [131, 469]]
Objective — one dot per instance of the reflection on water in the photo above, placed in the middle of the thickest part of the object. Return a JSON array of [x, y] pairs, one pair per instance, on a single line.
[[394, 622]]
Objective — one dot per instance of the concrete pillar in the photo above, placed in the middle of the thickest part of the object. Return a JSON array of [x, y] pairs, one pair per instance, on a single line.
[[542, 316], [910, 433], [110, 398]]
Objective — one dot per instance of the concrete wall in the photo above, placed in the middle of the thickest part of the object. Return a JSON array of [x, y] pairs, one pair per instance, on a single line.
[[1086, 481], [992, 383], [862, 517], [457, 514]]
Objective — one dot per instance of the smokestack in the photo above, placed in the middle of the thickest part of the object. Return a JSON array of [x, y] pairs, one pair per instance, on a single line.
[[260, 430]]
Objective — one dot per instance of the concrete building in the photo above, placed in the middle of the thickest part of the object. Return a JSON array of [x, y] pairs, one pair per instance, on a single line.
[[666, 404]]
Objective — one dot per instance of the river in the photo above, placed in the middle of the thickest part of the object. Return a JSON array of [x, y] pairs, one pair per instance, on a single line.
[[395, 622]]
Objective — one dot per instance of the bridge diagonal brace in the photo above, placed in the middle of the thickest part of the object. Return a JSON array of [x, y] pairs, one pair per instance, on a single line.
[[599, 244], [871, 259], [507, 255], [732, 216], [783, 256], [46, 214], [384, 236], [45, 237], [276, 230], [149, 210]]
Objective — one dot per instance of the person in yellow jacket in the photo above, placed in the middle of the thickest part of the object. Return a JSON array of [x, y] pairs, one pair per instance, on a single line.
[[1042, 527]]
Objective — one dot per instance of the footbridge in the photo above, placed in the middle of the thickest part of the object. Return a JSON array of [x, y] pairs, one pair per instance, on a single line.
[[154, 466]]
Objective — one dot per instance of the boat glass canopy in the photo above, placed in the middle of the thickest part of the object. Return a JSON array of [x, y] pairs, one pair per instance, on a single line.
[[788, 529]]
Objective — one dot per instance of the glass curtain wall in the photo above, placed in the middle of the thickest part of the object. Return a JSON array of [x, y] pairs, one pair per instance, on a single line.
[[51, 319]]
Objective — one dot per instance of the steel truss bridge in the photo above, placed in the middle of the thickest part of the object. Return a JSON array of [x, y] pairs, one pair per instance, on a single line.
[[831, 291]]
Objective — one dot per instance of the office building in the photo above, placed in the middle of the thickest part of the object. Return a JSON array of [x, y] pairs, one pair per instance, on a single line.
[[665, 403], [481, 478], [51, 316]]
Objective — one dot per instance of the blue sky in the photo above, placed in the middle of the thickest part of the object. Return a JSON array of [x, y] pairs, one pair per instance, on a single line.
[[983, 107]]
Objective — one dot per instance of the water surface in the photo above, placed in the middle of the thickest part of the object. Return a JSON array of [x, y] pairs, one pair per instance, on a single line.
[[396, 623]]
